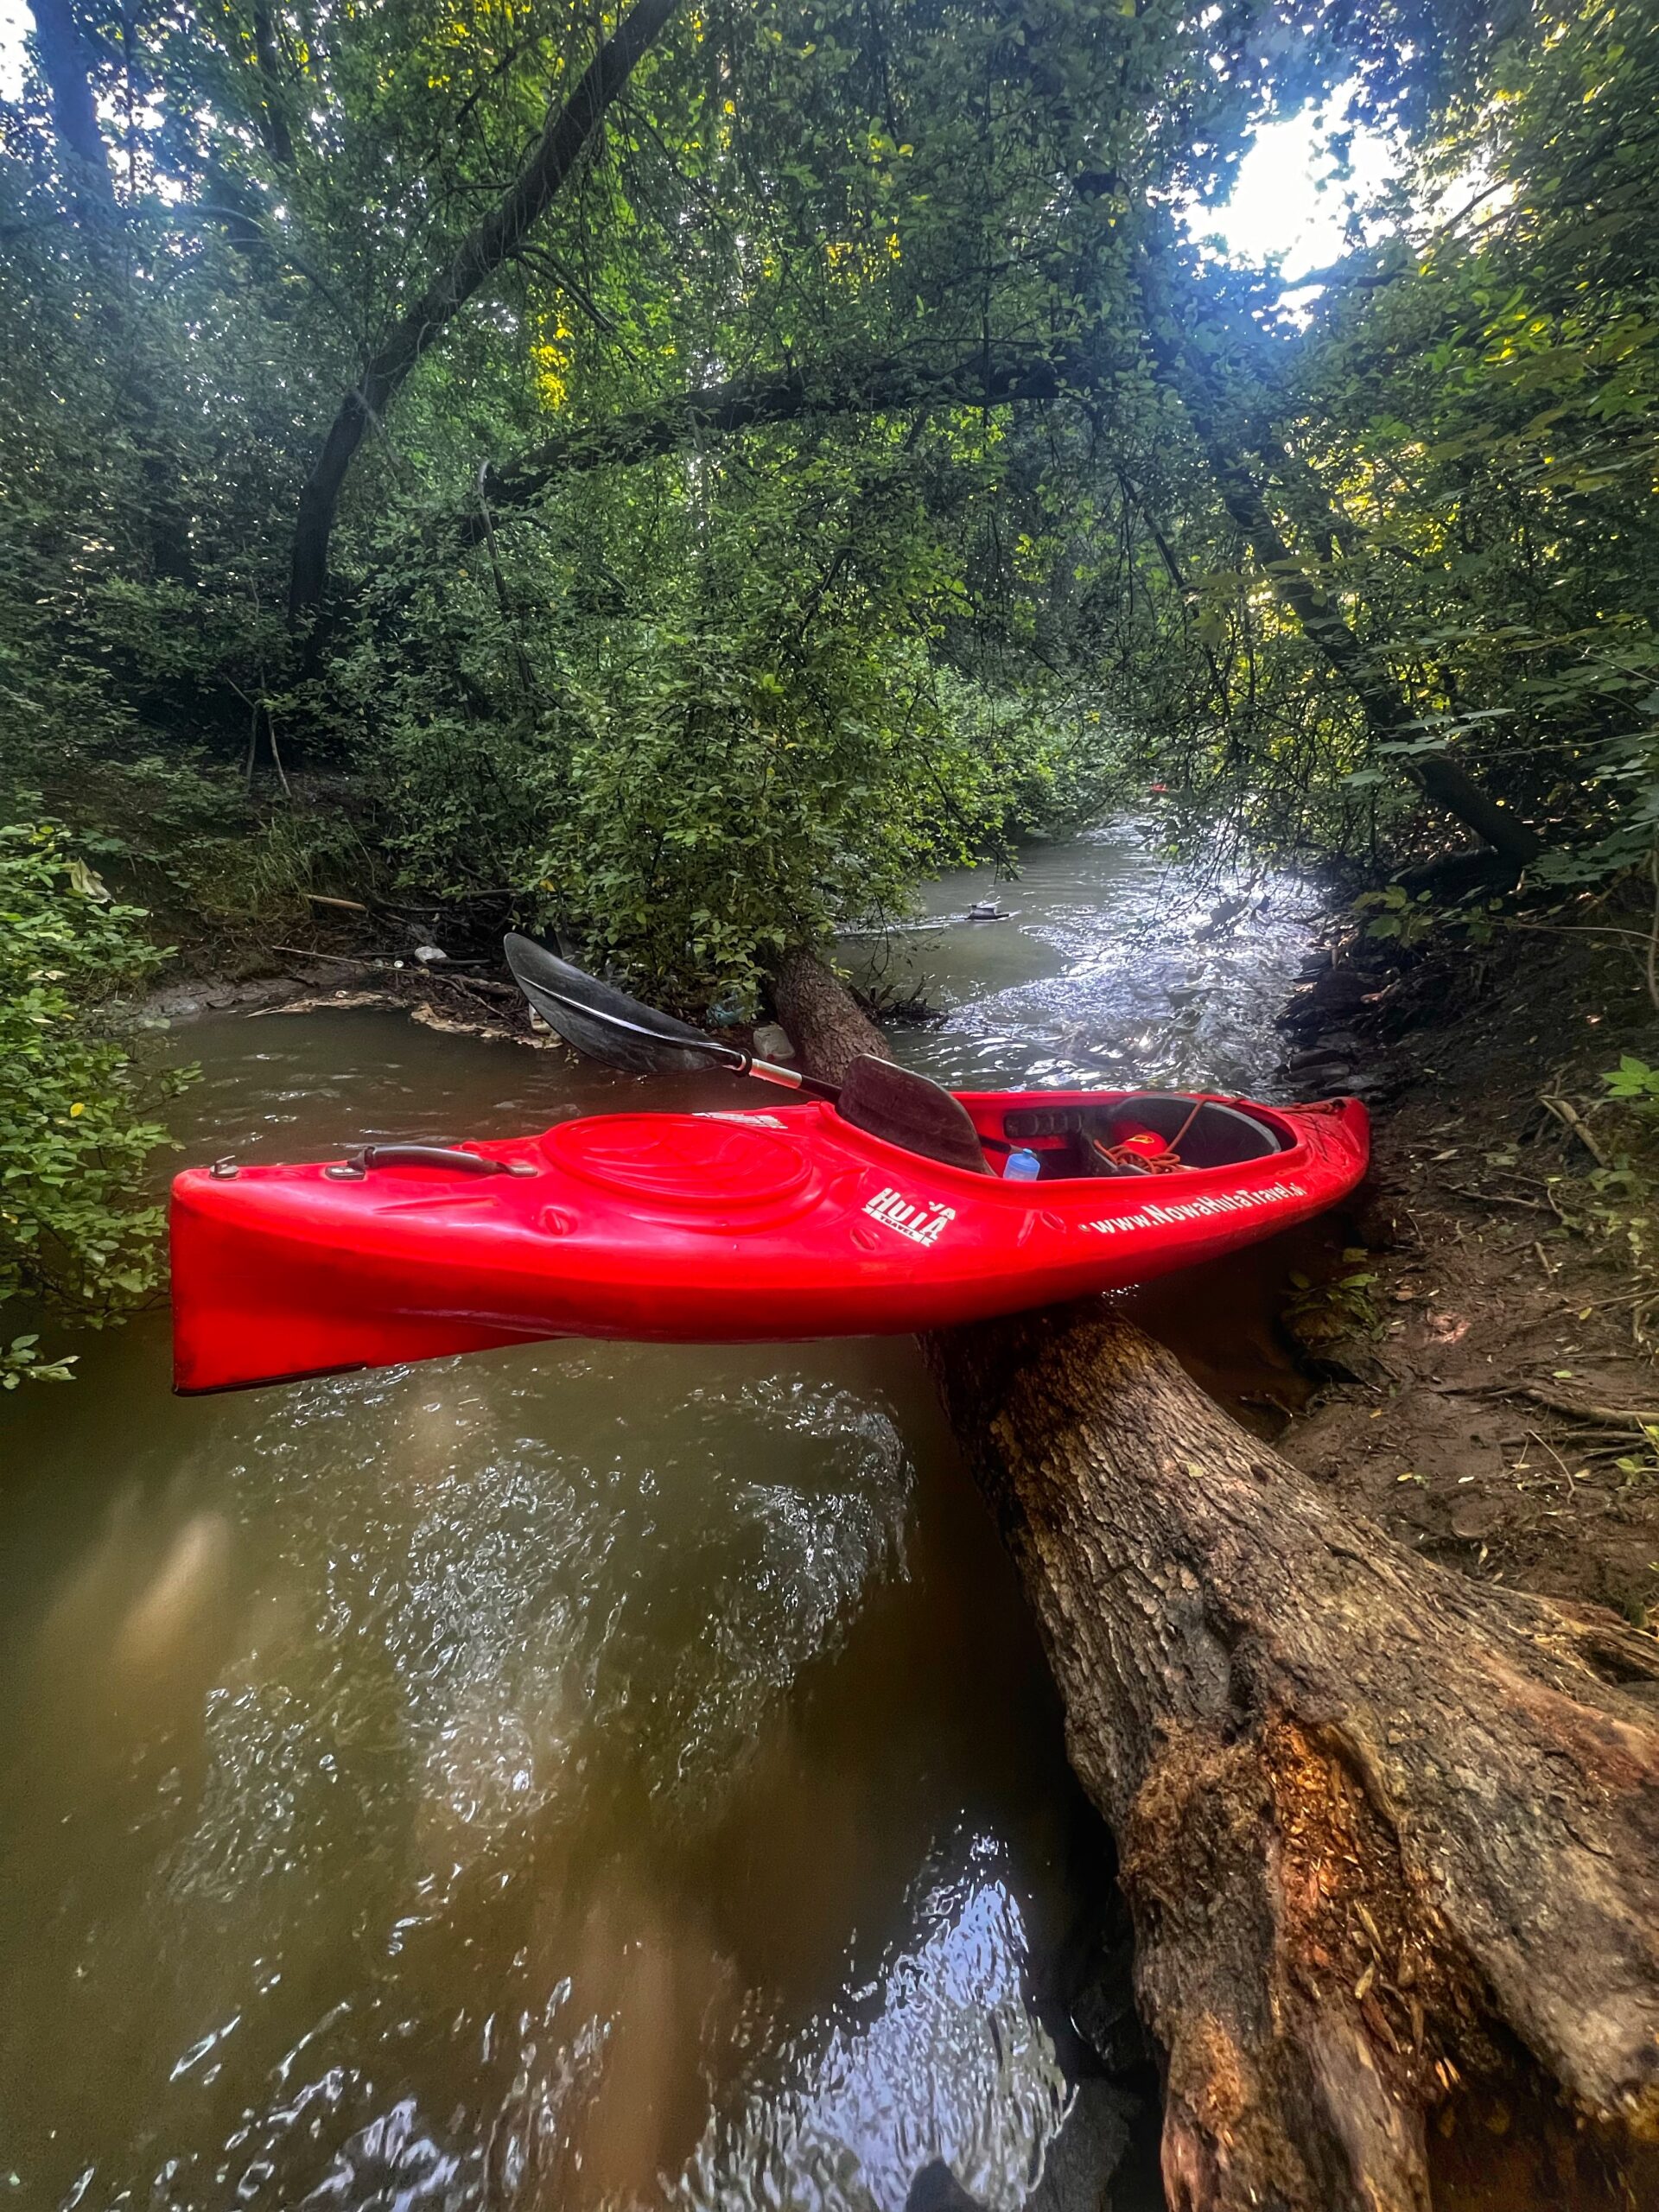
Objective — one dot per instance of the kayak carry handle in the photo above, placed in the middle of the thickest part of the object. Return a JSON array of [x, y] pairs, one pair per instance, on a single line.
[[358, 1164]]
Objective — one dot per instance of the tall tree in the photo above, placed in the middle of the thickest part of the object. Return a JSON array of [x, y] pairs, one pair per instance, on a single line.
[[67, 66], [1187, 366], [486, 250]]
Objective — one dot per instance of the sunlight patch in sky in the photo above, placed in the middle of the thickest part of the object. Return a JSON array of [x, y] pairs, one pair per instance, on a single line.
[[14, 22], [1278, 206]]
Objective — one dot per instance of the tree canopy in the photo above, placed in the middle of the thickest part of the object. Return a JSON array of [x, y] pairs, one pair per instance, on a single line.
[[681, 475]]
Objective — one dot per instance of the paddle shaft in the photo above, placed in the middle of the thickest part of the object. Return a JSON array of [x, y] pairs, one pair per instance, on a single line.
[[768, 1071]]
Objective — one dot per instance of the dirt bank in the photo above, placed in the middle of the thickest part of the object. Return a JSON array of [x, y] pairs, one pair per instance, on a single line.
[[466, 1001], [1482, 1346]]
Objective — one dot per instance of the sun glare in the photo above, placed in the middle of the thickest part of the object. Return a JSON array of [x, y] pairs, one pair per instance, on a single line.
[[14, 23], [1286, 201]]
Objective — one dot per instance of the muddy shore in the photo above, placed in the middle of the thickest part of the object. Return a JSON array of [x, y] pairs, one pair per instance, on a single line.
[[1482, 1351]]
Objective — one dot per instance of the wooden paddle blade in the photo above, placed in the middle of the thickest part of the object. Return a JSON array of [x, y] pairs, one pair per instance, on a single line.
[[907, 1109]]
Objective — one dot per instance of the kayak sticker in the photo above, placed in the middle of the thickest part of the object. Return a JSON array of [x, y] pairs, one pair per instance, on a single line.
[[1214, 1202], [922, 1224], [764, 1121]]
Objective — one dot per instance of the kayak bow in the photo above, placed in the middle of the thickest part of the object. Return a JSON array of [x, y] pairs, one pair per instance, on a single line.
[[727, 1227]]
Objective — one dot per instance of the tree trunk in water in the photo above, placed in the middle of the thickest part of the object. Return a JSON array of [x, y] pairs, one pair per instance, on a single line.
[[1389, 1836], [484, 249], [825, 1023], [1378, 1823]]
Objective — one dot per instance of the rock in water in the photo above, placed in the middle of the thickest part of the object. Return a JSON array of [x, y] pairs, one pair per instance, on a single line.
[[1088, 2150], [935, 2189]]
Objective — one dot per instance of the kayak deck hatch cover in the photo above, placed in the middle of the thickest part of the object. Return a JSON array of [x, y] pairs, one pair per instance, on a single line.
[[731, 1227]]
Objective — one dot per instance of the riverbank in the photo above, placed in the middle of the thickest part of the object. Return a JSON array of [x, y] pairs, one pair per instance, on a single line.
[[1484, 1349]]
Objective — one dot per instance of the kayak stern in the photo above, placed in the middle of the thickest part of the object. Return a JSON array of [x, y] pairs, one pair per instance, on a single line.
[[252, 1305]]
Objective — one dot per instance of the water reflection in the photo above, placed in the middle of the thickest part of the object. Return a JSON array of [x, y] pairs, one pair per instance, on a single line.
[[449, 1786], [951, 2065]]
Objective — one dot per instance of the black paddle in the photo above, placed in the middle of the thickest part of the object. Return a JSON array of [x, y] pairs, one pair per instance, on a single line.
[[606, 1025]]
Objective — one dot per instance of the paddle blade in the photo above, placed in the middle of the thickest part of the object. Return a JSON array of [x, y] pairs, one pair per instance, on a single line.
[[908, 1110], [605, 1024]]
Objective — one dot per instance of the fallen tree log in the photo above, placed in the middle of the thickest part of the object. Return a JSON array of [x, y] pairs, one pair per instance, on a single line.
[[1389, 1836], [825, 1022]]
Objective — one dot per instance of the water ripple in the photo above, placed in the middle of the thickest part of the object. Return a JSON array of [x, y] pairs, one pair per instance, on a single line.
[[953, 2065]]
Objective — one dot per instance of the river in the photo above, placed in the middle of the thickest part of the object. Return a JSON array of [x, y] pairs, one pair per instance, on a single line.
[[580, 1777]]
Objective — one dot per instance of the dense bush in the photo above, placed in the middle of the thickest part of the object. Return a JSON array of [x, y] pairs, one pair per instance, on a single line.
[[79, 1231]]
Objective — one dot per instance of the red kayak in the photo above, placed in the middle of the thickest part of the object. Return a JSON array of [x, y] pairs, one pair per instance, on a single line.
[[731, 1227]]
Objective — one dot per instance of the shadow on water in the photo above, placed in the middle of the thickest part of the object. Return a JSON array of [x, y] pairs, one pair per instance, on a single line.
[[586, 1776]]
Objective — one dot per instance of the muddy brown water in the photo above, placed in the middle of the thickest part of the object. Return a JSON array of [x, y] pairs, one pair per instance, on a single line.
[[580, 1776]]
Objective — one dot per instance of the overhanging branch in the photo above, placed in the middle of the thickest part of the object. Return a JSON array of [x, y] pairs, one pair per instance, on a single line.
[[876, 385]]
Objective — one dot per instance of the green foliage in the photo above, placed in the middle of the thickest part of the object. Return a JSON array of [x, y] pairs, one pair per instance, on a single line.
[[1614, 1205], [1472, 415], [1398, 916], [1322, 1313], [21, 1362], [77, 1230], [723, 810], [1636, 1083], [760, 739], [757, 681], [1642, 1463]]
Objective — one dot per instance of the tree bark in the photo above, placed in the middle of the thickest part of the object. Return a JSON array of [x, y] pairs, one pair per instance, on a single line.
[[67, 64], [885, 383], [1388, 712], [483, 250], [1389, 1836], [1378, 1823], [271, 115], [67, 69], [826, 1024]]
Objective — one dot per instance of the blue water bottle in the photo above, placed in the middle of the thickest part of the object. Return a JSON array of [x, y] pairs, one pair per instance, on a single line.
[[1023, 1167]]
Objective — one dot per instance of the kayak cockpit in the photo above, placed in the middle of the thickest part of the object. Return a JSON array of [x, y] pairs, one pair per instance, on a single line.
[[1136, 1133], [1129, 1133]]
